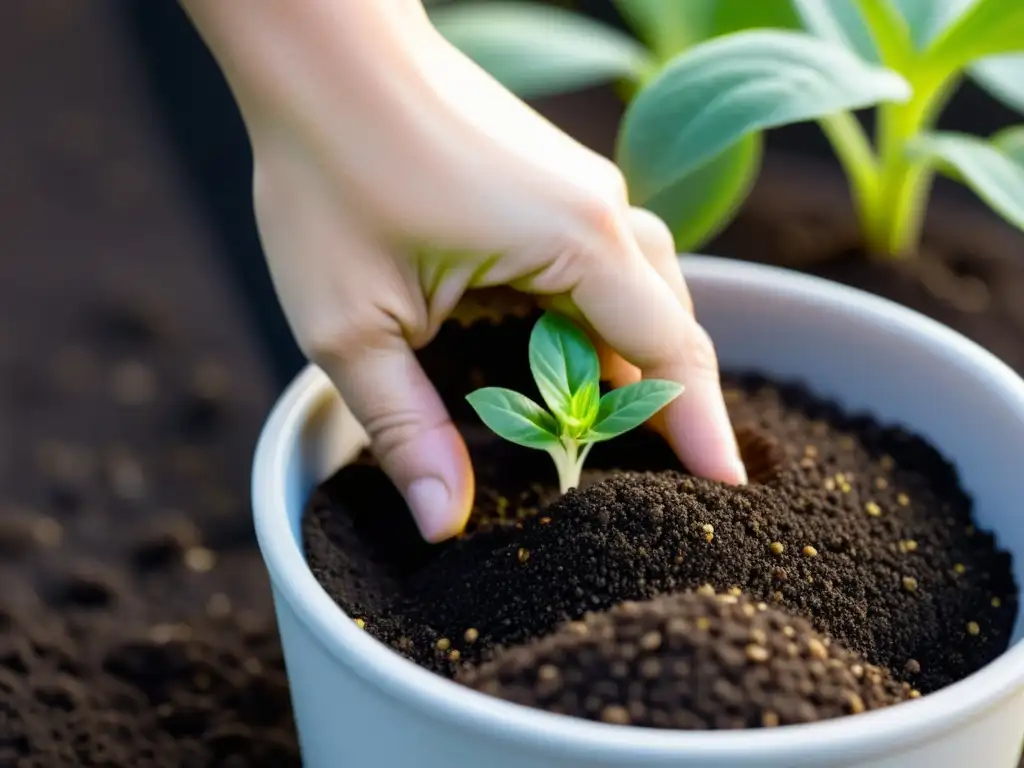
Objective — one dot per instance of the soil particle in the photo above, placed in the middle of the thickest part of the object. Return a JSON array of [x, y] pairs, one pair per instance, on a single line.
[[688, 661], [629, 536]]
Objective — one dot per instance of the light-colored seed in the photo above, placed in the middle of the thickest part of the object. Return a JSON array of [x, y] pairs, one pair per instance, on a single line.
[[996, 602], [910, 583], [840, 478], [200, 559], [454, 654], [902, 499], [706, 590], [443, 644], [960, 568], [703, 623], [758, 636], [973, 628], [769, 719], [855, 702], [873, 509], [810, 551], [735, 591], [788, 631], [830, 484], [757, 653], [523, 554], [361, 623], [817, 649], [708, 528], [881, 483], [777, 548], [651, 641], [748, 610], [548, 673], [810, 450], [615, 714], [914, 693], [471, 635]]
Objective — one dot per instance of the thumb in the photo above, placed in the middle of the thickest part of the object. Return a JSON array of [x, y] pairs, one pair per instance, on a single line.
[[411, 433]]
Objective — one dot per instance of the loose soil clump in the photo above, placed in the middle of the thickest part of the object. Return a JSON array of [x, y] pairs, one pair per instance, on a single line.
[[691, 661], [862, 530]]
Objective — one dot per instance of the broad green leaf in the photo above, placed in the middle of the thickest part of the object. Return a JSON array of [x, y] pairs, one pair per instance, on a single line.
[[985, 28], [1003, 78], [563, 362], [699, 204], [927, 18], [1010, 141], [628, 407], [515, 417], [670, 26], [993, 169], [838, 21], [537, 50], [716, 93]]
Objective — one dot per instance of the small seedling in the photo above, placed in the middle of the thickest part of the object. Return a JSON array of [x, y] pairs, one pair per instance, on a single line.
[[566, 368]]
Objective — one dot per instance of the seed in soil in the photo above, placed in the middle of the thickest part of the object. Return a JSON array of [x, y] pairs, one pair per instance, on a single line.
[[564, 670]]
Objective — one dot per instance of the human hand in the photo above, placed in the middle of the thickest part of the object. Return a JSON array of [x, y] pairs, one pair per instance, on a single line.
[[380, 202]]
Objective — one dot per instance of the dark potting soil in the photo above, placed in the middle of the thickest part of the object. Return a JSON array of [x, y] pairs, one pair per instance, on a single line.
[[861, 529], [693, 661]]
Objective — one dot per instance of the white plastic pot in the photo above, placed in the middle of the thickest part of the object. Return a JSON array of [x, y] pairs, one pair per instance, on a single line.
[[359, 704]]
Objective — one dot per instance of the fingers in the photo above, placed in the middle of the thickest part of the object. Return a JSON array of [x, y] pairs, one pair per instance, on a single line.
[[637, 301], [411, 434]]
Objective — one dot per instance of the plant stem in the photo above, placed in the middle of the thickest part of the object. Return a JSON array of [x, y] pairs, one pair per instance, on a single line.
[[893, 225], [569, 463], [857, 157]]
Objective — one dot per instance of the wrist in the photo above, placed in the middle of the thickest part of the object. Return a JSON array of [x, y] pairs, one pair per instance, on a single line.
[[285, 59]]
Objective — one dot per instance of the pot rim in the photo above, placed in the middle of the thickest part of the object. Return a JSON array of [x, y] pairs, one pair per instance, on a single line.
[[413, 686]]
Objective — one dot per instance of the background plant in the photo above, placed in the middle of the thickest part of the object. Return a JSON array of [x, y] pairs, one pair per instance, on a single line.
[[567, 371], [707, 77]]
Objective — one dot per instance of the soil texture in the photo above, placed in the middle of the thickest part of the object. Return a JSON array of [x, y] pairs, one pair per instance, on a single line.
[[861, 529], [691, 661]]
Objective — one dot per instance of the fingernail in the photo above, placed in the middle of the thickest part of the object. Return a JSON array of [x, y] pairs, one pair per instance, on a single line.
[[430, 502], [741, 472]]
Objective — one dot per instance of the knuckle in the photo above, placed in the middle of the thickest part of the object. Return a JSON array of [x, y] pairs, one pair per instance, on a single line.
[[701, 352], [652, 233], [336, 338]]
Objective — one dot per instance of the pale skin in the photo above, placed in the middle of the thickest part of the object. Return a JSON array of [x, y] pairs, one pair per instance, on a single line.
[[391, 176]]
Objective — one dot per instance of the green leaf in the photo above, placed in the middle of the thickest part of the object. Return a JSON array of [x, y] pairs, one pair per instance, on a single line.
[[985, 28], [628, 407], [670, 26], [993, 169], [667, 26], [583, 408], [563, 362], [537, 50], [927, 18], [515, 417], [700, 203], [716, 93], [1010, 141], [1003, 78], [839, 21]]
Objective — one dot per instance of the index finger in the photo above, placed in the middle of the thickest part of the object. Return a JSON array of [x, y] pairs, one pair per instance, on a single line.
[[637, 313]]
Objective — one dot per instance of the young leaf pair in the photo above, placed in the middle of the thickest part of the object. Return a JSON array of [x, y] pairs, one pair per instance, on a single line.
[[565, 366]]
